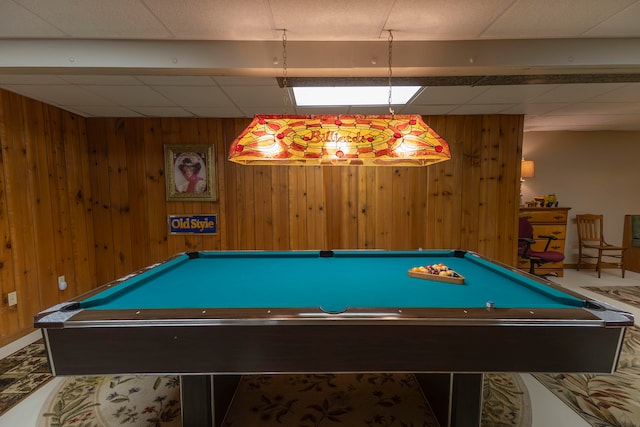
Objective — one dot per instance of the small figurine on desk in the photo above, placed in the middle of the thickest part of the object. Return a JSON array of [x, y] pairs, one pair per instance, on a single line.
[[548, 201]]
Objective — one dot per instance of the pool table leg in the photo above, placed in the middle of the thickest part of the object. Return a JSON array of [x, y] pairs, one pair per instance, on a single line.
[[456, 399], [205, 399]]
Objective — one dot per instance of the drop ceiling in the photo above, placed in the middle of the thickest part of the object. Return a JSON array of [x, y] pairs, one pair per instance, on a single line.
[[564, 64]]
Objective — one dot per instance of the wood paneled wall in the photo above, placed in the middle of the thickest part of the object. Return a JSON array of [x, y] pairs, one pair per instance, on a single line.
[[468, 202], [46, 225], [86, 198]]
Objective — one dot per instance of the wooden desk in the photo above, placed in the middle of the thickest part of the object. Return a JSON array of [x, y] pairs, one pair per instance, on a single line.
[[547, 221]]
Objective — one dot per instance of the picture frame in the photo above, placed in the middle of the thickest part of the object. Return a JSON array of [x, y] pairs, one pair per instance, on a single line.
[[190, 172]]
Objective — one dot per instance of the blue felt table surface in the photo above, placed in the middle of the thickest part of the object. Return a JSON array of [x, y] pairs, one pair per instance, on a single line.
[[350, 279]]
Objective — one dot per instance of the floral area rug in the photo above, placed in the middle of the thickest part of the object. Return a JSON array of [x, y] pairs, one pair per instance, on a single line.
[[276, 400], [144, 400], [626, 294], [318, 400], [22, 373], [505, 401], [606, 400]]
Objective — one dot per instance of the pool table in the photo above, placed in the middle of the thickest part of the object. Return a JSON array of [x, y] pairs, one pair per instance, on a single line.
[[211, 316]]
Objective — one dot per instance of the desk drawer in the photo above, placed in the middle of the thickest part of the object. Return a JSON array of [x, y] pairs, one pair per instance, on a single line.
[[558, 231], [550, 216]]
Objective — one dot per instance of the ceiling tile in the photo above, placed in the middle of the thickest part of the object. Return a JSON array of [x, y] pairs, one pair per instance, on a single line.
[[332, 19], [177, 80], [531, 18], [245, 81], [429, 110], [250, 111], [163, 112], [257, 96], [118, 19], [109, 111], [30, 79], [624, 122], [576, 92], [443, 19], [18, 22], [61, 95], [481, 109], [215, 20], [134, 96], [599, 108], [448, 94], [215, 111], [627, 92], [534, 108], [195, 96], [509, 94], [622, 24], [101, 80], [571, 123]]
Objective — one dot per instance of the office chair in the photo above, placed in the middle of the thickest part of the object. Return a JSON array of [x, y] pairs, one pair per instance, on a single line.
[[535, 258]]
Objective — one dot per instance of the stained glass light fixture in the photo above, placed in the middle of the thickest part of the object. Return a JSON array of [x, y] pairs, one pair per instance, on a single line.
[[393, 140], [399, 140]]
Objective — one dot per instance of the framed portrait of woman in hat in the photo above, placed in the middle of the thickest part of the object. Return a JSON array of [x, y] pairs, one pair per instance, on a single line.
[[190, 172]]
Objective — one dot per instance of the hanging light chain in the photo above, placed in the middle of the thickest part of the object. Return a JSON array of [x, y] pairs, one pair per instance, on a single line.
[[390, 72], [285, 97], [284, 58]]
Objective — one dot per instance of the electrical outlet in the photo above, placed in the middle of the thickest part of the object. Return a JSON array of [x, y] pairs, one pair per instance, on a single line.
[[62, 283], [12, 298]]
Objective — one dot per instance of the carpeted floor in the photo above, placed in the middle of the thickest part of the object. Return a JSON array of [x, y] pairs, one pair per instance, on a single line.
[[606, 400], [276, 400], [22, 373]]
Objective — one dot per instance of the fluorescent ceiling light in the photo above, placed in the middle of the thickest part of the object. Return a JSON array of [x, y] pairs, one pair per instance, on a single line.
[[353, 95]]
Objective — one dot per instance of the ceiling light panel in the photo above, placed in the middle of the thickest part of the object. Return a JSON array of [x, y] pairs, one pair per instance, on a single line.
[[353, 95]]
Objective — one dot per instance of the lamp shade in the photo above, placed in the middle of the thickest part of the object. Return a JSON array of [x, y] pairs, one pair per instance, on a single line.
[[339, 140], [528, 169]]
